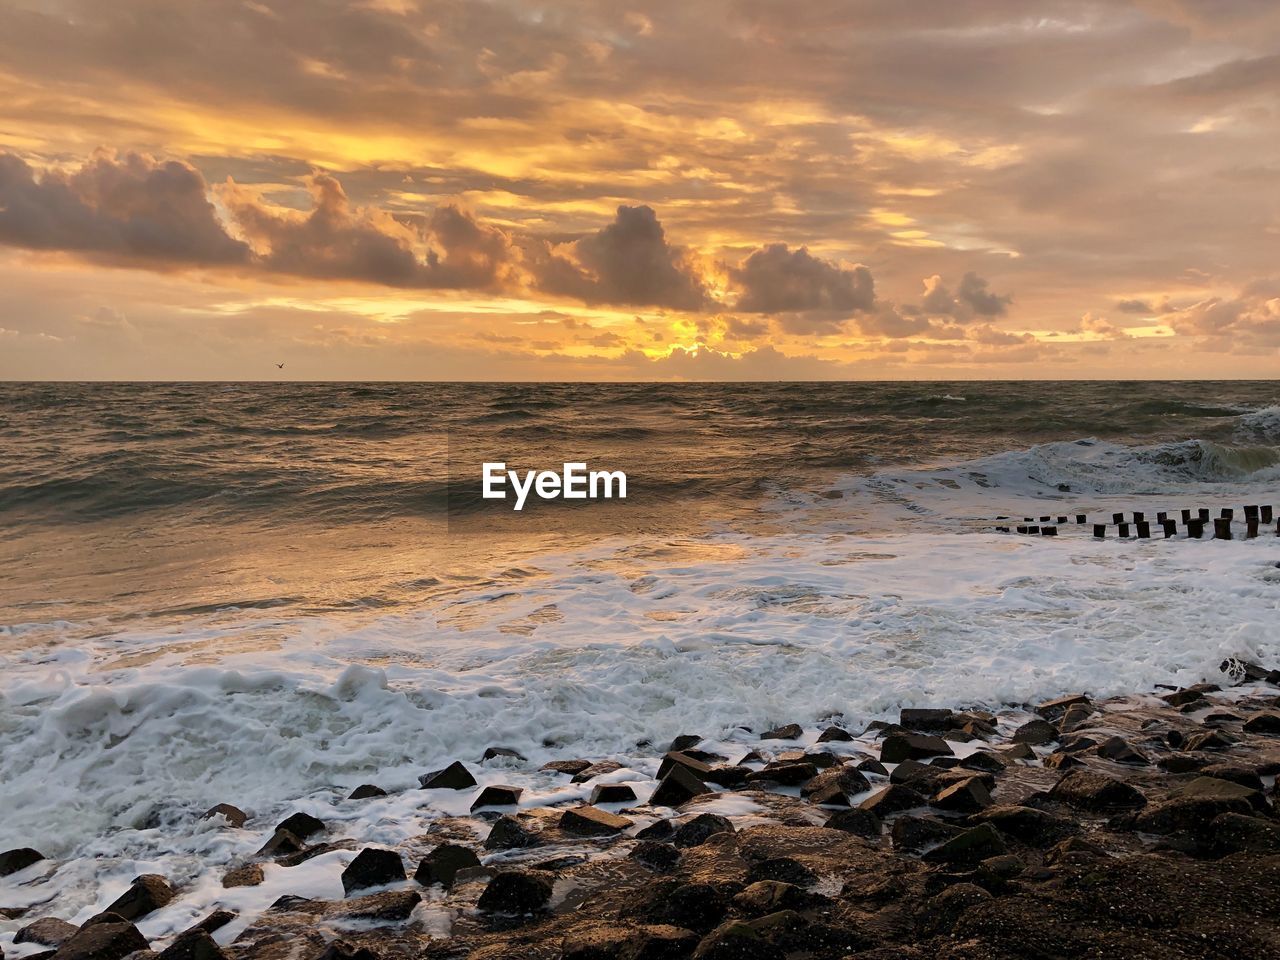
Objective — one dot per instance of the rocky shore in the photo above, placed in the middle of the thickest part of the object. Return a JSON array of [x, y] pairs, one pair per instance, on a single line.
[[1143, 826]]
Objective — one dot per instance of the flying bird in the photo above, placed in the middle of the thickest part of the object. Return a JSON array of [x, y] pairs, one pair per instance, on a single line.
[[279, 366]]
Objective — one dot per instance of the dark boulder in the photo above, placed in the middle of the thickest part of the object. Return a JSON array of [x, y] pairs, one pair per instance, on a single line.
[[971, 846], [507, 833], [193, 944], [1265, 723], [493, 753], [1095, 791], [967, 796], [46, 932], [367, 791], [11, 861], [443, 864], [678, 787], [516, 891], [453, 777], [598, 769], [915, 833], [497, 795], [233, 815], [788, 731], [109, 940], [788, 773], [612, 793], [835, 734], [785, 869], [588, 821], [372, 867], [695, 832], [1117, 750], [246, 875], [892, 799], [570, 767], [768, 896], [912, 746], [1036, 732], [1029, 825], [655, 855], [145, 895], [862, 823], [913, 718], [301, 825]]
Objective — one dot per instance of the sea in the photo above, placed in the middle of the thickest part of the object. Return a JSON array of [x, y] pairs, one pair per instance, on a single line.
[[268, 594]]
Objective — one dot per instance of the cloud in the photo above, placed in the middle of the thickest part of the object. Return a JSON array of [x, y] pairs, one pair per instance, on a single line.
[[1245, 323], [131, 208], [970, 301], [336, 240], [1100, 326], [627, 262], [1134, 306], [776, 279]]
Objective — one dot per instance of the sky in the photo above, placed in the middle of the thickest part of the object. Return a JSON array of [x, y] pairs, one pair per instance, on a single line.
[[573, 190]]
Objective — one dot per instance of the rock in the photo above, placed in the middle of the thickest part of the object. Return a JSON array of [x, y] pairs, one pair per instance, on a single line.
[[372, 867], [1053, 709], [11, 861], [1266, 723], [233, 815], [727, 776], [892, 799], [342, 950], [789, 731], [1076, 717], [639, 942], [497, 795], [612, 793], [570, 767], [248, 875], [442, 864], [924, 719], [1245, 776], [862, 823], [658, 830], [147, 894], [759, 939], [1034, 827], [388, 906], [684, 742], [1209, 740], [943, 910], [1018, 751], [845, 780], [1181, 763], [194, 944], [692, 906], [281, 844], [215, 921], [1074, 850], [967, 796], [1117, 750], [453, 777], [507, 833], [912, 746], [678, 787], [367, 791], [787, 773], [1035, 733], [1095, 791], [984, 761], [872, 765], [493, 753], [1238, 832], [301, 825], [596, 770], [786, 869], [111, 940], [1062, 761], [699, 768], [655, 855], [46, 932], [973, 845], [916, 833], [516, 891], [768, 896], [835, 734], [1181, 698], [695, 832], [588, 821]]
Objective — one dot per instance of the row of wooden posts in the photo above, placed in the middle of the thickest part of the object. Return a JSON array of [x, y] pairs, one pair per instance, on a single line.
[[1137, 525]]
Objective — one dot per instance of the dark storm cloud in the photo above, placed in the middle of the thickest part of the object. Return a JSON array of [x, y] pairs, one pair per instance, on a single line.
[[776, 279], [131, 208], [627, 262], [337, 241]]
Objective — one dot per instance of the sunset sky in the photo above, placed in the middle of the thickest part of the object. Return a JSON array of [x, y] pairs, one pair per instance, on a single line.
[[702, 189]]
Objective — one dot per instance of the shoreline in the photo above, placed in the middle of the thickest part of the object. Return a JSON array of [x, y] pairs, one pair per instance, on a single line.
[[1131, 826]]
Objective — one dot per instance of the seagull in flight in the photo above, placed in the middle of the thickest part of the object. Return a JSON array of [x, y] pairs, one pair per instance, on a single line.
[[279, 366]]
